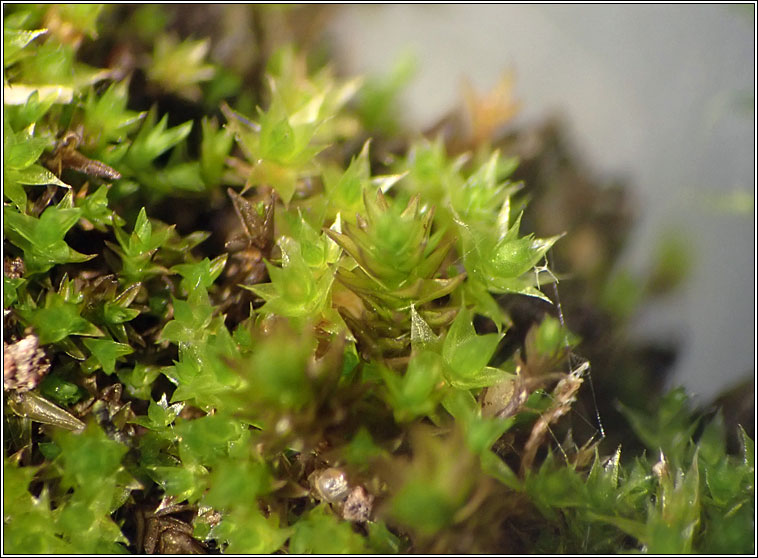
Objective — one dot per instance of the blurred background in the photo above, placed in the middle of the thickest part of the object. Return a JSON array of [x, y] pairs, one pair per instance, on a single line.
[[658, 96]]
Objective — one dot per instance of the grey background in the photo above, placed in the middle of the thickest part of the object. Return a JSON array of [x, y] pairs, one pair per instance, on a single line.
[[650, 92]]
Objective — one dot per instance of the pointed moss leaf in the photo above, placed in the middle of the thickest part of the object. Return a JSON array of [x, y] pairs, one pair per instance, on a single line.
[[481, 193], [214, 148], [333, 250], [117, 314], [200, 274], [191, 319], [730, 533], [309, 98], [154, 139], [54, 224], [53, 63], [513, 258], [309, 112], [201, 377], [304, 152], [67, 201], [96, 210], [606, 472], [13, 190], [555, 487], [725, 483], [142, 228], [482, 433], [31, 111], [57, 320], [671, 527], [34, 175], [386, 181], [22, 151], [184, 483], [422, 335], [522, 285], [602, 484], [467, 354], [416, 393], [295, 289], [343, 241], [107, 113], [15, 41], [40, 259], [461, 404], [430, 171], [245, 132], [277, 140], [503, 264], [487, 376], [138, 381], [346, 191], [161, 414], [313, 246], [137, 249], [106, 352]]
